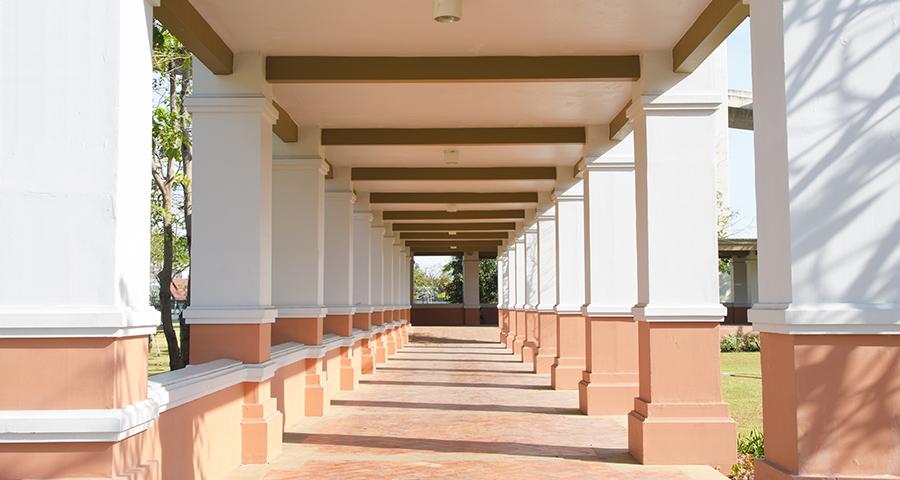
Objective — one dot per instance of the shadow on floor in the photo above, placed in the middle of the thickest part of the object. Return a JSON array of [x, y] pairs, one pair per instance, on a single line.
[[419, 338], [609, 455], [455, 352], [450, 370], [400, 359], [460, 385], [457, 407]]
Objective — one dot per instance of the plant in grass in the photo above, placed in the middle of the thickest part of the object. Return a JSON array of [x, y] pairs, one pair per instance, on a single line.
[[739, 342], [750, 447]]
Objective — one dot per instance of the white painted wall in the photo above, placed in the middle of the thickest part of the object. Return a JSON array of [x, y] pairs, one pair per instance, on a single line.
[[532, 276], [547, 277], [339, 199], [471, 297], [362, 255], [569, 198]]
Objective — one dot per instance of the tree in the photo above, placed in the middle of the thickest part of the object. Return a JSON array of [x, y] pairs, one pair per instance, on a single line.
[[171, 170], [455, 288], [487, 280]]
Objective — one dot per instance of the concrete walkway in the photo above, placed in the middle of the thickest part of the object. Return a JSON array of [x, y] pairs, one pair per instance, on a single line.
[[455, 404]]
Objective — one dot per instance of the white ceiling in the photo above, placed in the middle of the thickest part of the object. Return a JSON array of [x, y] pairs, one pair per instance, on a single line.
[[469, 155]]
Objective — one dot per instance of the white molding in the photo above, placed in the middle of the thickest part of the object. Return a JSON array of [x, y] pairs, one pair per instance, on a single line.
[[593, 310], [679, 102], [573, 309], [302, 311], [198, 104], [546, 308], [230, 315], [679, 313], [341, 309], [826, 319], [300, 163], [82, 425], [76, 321]]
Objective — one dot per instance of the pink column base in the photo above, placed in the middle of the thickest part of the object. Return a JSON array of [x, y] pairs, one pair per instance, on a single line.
[[609, 384], [316, 393], [680, 398], [831, 406], [349, 378], [261, 425], [390, 344], [530, 347], [472, 316], [565, 374], [367, 357], [546, 354], [503, 318], [379, 349], [519, 339]]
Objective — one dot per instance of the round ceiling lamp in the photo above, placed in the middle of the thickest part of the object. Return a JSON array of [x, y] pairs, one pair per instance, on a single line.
[[447, 11]]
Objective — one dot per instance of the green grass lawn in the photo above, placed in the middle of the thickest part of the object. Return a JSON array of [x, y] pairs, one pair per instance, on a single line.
[[743, 394], [158, 361]]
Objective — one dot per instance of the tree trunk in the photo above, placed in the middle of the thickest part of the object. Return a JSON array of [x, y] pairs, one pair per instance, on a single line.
[[187, 170], [165, 293]]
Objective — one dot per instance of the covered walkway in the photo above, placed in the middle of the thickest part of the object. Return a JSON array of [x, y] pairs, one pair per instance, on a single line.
[[457, 404]]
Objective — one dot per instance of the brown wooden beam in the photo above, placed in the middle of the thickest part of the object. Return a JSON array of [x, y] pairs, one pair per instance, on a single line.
[[312, 69], [498, 173], [620, 126], [463, 215], [711, 28], [464, 245], [457, 236], [452, 227], [285, 127], [453, 197], [452, 136], [186, 23]]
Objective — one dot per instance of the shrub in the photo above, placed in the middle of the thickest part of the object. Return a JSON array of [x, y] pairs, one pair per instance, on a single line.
[[750, 447], [739, 342]]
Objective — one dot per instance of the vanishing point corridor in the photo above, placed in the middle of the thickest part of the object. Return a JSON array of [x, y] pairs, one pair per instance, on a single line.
[[456, 404]]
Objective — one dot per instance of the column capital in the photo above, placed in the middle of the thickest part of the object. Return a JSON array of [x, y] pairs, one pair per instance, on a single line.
[[347, 196], [198, 104], [299, 163]]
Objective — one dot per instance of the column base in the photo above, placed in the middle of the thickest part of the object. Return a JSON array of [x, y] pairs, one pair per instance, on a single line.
[[683, 440], [261, 430], [543, 362], [379, 349], [349, 379], [607, 394], [566, 374], [390, 344], [315, 391], [472, 316], [367, 357], [529, 352]]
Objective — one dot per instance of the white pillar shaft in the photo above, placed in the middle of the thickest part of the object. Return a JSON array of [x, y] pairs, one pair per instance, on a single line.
[[675, 167], [298, 242], [398, 274], [339, 252], [470, 280], [390, 263], [232, 195], [826, 122], [609, 214], [570, 248], [547, 259], [362, 260], [521, 296], [501, 265], [74, 205], [511, 274], [376, 251], [531, 267]]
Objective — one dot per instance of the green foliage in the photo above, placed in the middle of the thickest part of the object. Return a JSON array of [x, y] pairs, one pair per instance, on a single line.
[[429, 286], [739, 342], [455, 288], [487, 280], [750, 447]]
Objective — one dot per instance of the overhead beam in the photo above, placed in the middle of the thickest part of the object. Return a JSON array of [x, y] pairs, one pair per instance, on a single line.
[[740, 109], [711, 28], [498, 173], [620, 126], [453, 197], [452, 136], [285, 127], [186, 23], [313, 69], [460, 245], [424, 252], [457, 236], [453, 227], [463, 215]]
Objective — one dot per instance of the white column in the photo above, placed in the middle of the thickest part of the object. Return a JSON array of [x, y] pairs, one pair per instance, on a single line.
[[521, 265], [610, 249], [376, 253], [399, 258], [569, 200], [547, 278], [362, 256], [387, 273], [298, 243], [470, 280], [338, 251], [503, 276], [531, 266], [826, 119], [232, 196]]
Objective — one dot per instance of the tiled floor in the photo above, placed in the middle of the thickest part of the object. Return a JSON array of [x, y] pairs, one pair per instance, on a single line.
[[455, 404]]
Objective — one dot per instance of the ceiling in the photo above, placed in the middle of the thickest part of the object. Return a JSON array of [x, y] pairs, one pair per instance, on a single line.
[[403, 28]]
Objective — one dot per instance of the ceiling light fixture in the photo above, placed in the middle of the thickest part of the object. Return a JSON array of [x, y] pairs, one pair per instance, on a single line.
[[451, 157], [451, 233], [452, 247], [447, 11]]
